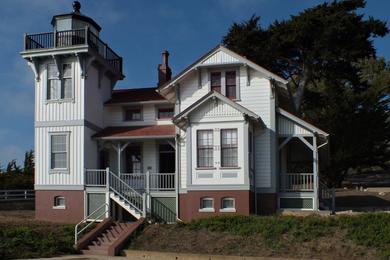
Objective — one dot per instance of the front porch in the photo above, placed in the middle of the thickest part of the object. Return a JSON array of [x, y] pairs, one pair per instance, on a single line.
[[136, 171]]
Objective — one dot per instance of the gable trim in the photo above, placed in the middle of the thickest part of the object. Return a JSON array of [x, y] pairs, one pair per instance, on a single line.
[[212, 94]]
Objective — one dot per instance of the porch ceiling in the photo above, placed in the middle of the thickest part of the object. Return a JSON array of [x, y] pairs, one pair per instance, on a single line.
[[136, 132]]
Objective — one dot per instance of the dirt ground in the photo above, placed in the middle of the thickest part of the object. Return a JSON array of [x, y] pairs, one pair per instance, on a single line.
[[11, 216], [169, 238]]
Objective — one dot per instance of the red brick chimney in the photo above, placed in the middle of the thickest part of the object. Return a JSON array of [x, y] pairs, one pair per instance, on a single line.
[[164, 71]]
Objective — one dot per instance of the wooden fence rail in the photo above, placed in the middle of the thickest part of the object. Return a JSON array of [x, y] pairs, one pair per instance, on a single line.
[[16, 195]]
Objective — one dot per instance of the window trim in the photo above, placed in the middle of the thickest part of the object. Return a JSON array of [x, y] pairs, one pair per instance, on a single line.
[[201, 209], [233, 209], [197, 149], [61, 79], [133, 108], [223, 81], [59, 170], [56, 205], [237, 147]]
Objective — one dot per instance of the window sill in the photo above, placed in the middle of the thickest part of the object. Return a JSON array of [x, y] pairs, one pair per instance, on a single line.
[[59, 207], [59, 101], [54, 171], [207, 210], [205, 168], [231, 210], [230, 168]]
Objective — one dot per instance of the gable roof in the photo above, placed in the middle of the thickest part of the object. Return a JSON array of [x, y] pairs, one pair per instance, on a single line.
[[238, 59], [134, 95], [213, 94], [302, 122]]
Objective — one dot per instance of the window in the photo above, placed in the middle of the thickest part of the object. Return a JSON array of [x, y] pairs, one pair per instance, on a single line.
[[230, 78], [228, 204], [57, 88], [205, 148], [67, 81], [216, 81], [133, 114], [207, 205], [165, 113], [59, 202], [59, 152], [229, 148]]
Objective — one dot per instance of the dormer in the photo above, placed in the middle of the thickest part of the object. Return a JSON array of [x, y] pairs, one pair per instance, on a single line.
[[74, 21]]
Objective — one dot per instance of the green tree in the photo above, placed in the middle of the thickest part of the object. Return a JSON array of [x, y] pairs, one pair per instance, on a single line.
[[335, 81], [29, 163], [320, 42], [12, 167]]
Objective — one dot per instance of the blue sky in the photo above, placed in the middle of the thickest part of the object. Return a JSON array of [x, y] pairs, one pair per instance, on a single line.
[[138, 31]]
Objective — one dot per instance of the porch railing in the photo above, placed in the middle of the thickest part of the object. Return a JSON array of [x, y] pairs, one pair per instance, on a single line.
[[297, 182], [150, 181], [60, 39], [95, 177]]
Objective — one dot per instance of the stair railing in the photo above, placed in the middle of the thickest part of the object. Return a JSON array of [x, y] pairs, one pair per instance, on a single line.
[[127, 193], [327, 195], [88, 218]]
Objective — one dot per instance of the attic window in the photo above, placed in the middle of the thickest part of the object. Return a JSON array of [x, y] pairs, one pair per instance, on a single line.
[[216, 81]]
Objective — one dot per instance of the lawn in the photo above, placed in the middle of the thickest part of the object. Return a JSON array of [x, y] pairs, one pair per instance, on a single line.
[[340, 237]]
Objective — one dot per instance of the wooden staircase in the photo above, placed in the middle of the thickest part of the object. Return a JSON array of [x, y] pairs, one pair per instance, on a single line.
[[107, 238]]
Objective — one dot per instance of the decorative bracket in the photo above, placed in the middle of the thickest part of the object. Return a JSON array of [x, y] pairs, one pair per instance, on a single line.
[[57, 62], [34, 65], [85, 62]]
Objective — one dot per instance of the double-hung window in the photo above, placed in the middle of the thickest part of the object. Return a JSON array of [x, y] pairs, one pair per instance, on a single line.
[[133, 114], [59, 88], [224, 82], [205, 142], [59, 150], [230, 84], [165, 113], [229, 148], [216, 82]]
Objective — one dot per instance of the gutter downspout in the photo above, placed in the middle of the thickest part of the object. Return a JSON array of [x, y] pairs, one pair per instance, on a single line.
[[177, 141]]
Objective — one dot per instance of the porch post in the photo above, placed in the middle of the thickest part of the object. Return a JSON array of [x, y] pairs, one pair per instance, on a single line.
[[315, 172], [148, 200], [119, 151]]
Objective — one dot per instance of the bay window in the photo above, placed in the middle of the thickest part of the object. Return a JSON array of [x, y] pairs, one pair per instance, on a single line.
[[205, 149], [229, 148]]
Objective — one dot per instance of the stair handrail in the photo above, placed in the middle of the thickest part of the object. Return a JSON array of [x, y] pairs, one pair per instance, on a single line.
[[136, 193], [77, 233], [330, 192]]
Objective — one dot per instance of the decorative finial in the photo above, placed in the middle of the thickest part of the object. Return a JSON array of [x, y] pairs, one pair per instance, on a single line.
[[76, 7]]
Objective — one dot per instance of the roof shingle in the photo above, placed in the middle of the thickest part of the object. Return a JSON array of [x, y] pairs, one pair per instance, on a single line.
[[134, 95], [136, 131]]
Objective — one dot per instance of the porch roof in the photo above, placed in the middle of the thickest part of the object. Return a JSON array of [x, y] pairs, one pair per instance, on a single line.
[[136, 132]]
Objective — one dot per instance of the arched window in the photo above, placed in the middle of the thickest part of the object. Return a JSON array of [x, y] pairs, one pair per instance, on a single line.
[[59, 202]]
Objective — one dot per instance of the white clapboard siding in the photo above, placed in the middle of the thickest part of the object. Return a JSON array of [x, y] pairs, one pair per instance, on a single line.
[[113, 116], [75, 175], [149, 156], [91, 153], [288, 127], [190, 91], [220, 57], [95, 96], [59, 111]]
